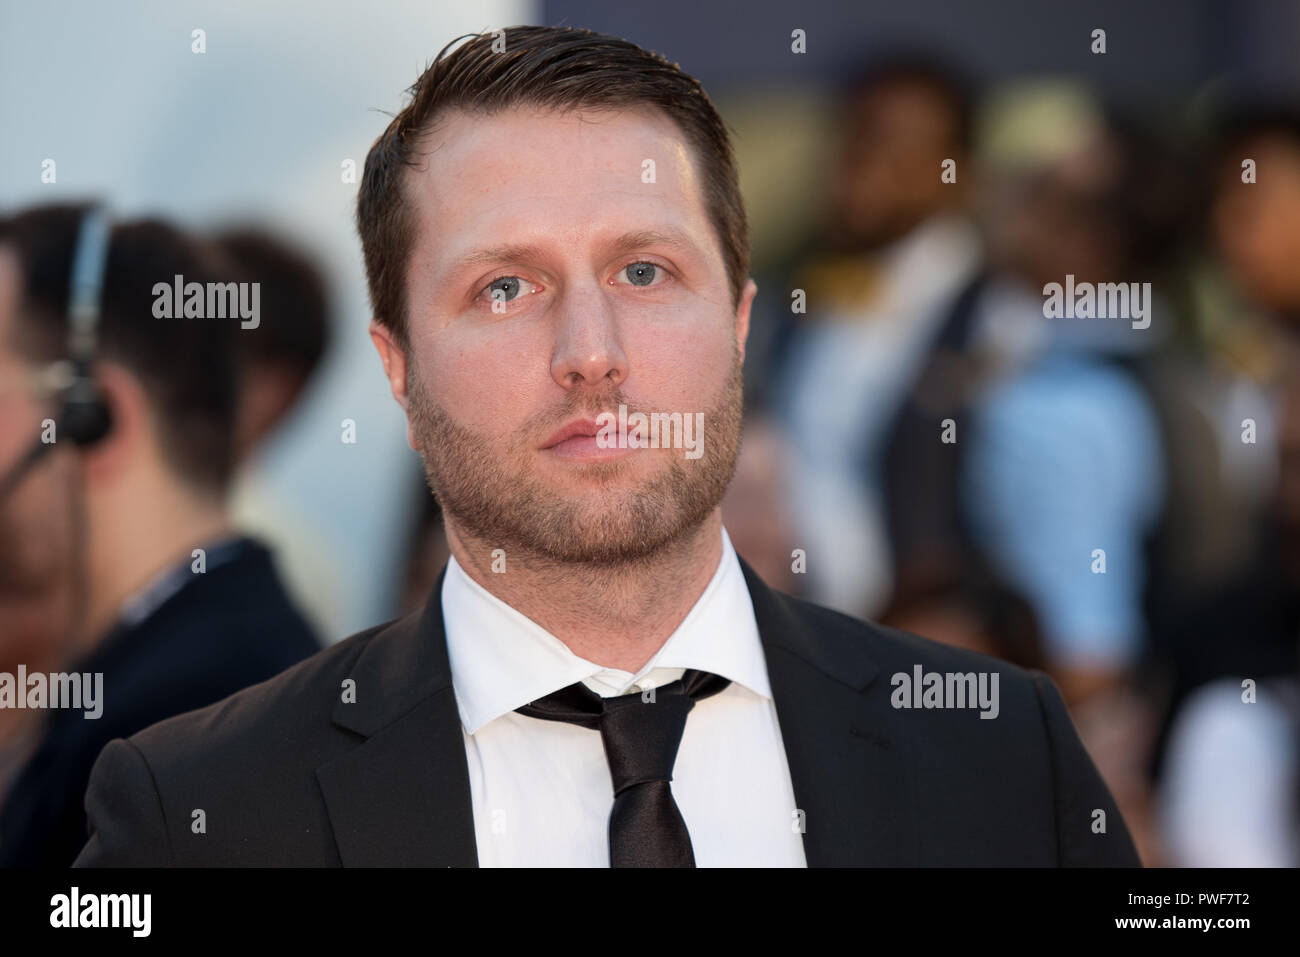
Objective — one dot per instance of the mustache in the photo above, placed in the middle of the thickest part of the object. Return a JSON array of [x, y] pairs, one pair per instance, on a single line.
[[430, 418], [576, 405]]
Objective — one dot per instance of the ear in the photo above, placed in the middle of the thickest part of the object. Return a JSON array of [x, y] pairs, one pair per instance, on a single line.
[[133, 436], [393, 356], [742, 315]]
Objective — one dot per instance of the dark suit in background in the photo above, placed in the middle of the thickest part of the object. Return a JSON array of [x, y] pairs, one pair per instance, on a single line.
[[290, 774], [221, 631]]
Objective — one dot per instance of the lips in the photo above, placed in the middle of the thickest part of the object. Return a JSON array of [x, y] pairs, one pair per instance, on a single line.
[[579, 428], [577, 443]]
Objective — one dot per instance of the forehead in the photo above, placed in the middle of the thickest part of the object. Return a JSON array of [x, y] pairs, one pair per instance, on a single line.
[[540, 175]]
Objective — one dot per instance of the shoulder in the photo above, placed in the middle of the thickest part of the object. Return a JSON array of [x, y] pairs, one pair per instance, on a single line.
[[948, 712], [249, 761], [256, 725], [233, 622], [896, 652]]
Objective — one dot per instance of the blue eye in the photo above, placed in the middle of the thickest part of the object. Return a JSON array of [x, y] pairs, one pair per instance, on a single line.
[[641, 274], [506, 289]]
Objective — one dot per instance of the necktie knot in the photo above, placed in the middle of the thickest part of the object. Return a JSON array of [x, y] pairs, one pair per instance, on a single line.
[[641, 733]]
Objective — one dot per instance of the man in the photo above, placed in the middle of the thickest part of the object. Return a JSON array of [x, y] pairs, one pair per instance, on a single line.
[[155, 602], [1046, 473], [1246, 626], [552, 233], [898, 255]]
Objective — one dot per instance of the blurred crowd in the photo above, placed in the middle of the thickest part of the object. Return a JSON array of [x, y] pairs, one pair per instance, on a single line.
[[1111, 499], [1114, 502]]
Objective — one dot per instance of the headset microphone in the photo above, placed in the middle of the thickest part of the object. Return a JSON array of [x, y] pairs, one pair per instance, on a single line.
[[84, 417]]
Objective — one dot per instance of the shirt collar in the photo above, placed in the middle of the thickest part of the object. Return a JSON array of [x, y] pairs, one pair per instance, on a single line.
[[501, 659], [167, 583]]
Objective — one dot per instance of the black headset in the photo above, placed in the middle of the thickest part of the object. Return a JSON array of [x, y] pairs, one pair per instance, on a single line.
[[84, 417]]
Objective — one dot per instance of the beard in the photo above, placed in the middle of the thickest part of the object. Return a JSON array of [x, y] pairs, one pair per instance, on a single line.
[[502, 501]]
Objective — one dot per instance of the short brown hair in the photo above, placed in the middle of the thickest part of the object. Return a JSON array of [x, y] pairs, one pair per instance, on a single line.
[[187, 367], [557, 67], [295, 329]]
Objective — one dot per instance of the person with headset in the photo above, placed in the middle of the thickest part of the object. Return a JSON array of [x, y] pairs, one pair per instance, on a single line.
[[117, 557]]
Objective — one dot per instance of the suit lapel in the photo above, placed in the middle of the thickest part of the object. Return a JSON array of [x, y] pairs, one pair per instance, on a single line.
[[840, 742], [402, 797]]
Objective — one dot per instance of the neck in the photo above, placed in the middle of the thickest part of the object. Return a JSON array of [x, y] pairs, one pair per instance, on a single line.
[[617, 616], [131, 541]]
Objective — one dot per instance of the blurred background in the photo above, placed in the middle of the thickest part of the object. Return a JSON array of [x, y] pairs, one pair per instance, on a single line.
[[1115, 504]]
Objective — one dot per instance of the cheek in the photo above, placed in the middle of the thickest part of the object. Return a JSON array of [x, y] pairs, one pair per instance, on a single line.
[[40, 505], [488, 383], [20, 423], [682, 370]]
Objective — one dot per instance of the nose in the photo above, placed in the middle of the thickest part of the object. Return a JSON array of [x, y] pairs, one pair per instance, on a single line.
[[588, 348]]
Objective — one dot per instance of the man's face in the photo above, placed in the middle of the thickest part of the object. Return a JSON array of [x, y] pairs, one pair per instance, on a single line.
[[34, 519], [1257, 225], [887, 179], [557, 273]]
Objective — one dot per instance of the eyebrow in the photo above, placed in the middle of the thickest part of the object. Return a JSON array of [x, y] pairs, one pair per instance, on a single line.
[[629, 241]]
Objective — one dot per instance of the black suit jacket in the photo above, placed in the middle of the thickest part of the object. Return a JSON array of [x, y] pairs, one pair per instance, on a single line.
[[288, 773], [229, 628]]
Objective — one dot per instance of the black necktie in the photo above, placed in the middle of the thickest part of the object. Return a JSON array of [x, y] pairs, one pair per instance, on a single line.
[[641, 733]]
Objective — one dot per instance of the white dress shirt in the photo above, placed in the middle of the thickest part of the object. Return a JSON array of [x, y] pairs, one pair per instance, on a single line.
[[1228, 790], [541, 790]]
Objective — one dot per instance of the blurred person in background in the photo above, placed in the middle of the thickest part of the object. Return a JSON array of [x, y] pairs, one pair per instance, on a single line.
[[114, 525], [37, 601], [278, 361], [912, 323], [1255, 231], [1073, 462], [972, 609], [976, 444], [1049, 476], [278, 358], [1230, 778], [899, 250]]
